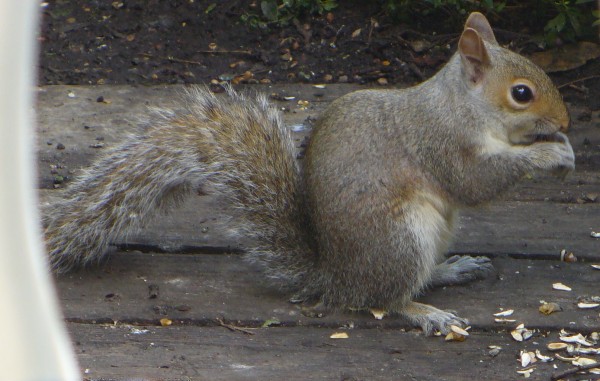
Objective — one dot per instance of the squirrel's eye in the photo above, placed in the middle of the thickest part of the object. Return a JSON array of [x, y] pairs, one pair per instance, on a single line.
[[521, 93]]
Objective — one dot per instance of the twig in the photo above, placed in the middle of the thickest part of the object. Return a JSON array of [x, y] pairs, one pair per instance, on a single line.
[[568, 372], [578, 80], [248, 52], [233, 327], [173, 59]]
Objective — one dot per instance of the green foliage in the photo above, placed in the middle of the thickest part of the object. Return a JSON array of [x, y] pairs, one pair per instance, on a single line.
[[283, 11], [454, 11], [564, 19], [571, 20]]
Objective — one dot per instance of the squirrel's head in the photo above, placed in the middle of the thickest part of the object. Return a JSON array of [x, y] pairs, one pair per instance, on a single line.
[[523, 95]]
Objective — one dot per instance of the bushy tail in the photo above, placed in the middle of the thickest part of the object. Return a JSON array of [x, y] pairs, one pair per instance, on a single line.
[[234, 144]]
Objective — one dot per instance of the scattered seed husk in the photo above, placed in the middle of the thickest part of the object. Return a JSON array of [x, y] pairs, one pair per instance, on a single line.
[[567, 256], [583, 361], [597, 267], [527, 334], [557, 346], [548, 308], [565, 359], [584, 305], [504, 313], [526, 372], [494, 350], [578, 338], [588, 351], [377, 314], [503, 320], [595, 234], [561, 287], [521, 333], [527, 358], [543, 358], [339, 335], [595, 336], [516, 334], [460, 331]]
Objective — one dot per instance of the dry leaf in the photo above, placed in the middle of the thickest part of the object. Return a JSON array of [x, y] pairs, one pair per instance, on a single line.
[[548, 308], [166, 322], [566, 57], [453, 336], [356, 33], [339, 335]]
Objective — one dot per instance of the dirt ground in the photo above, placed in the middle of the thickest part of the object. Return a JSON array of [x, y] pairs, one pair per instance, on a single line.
[[176, 41]]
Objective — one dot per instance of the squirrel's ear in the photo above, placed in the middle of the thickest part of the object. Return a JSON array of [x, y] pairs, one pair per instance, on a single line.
[[474, 56], [478, 22]]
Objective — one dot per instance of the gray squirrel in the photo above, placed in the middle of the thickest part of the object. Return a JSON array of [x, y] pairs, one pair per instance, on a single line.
[[366, 222]]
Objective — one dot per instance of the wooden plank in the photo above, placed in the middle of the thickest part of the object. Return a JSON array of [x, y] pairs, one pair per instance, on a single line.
[[72, 115], [506, 226], [528, 229], [297, 353], [199, 289]]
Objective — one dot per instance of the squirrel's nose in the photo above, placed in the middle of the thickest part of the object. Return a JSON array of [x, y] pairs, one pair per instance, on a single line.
[[565, 123]]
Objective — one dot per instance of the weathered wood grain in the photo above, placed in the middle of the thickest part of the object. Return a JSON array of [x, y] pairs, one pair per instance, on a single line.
[[541, 216], [198, 289], [189, 353]]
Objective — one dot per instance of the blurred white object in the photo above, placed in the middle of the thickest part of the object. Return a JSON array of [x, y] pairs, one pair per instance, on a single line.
[[34, 343]]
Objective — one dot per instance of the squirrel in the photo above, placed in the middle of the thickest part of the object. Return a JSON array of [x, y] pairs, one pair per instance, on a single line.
[[366, 221]]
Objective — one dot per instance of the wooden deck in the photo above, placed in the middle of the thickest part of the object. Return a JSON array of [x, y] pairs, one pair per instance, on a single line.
[[228, 325]]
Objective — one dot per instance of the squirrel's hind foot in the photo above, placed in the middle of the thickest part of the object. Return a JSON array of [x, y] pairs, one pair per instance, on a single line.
[[431, 319], [460, 270]]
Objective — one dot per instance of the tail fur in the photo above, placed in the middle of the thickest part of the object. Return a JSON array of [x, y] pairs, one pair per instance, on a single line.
[[234, 144]]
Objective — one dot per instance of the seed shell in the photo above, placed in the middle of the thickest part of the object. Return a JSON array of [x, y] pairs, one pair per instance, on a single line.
[[561, 287]]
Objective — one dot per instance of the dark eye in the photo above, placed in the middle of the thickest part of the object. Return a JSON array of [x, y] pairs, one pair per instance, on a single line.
[[521, 93]]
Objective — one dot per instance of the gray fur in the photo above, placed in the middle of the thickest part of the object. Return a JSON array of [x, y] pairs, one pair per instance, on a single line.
[[385, 174]]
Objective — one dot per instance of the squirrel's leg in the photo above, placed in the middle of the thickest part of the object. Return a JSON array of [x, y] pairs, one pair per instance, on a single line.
[[120, 192], [424, 231], [460, 269]]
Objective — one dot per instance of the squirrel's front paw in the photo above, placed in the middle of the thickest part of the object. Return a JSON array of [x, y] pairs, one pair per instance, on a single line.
[[557, 157], [431, 319]]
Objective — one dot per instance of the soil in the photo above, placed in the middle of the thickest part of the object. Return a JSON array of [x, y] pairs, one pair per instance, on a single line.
[[186, 41]]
